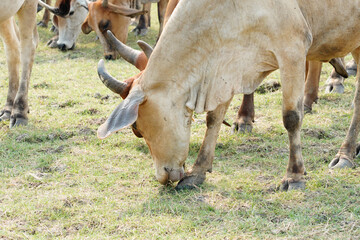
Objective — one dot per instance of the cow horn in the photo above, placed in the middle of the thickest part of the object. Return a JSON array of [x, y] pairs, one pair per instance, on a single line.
[[109, 81], [146, 48], [105, 3], [53, 10], [126, 52]]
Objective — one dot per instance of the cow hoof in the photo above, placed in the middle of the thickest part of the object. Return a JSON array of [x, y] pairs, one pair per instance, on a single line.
[[341, 162], [241, 128], [335, 85], [291, 185], [16, 122], [52, 43], [190, 182], [42, 24], [5, 115], [53, 29], [307, 109], [338, 88], [140, 31]]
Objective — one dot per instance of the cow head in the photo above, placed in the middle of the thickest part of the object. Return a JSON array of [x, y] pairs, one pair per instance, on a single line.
[[68, 17], [140, 109], [114, 16]]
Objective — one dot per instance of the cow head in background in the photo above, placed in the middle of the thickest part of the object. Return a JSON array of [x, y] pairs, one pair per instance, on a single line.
[[68, 18], [114, 16]]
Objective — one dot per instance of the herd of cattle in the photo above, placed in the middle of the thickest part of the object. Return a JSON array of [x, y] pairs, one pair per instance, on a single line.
[[219, 49]]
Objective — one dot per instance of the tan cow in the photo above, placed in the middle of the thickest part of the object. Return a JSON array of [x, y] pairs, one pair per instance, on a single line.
[[20, 44], [224, 49], [114, 16], [68, 18]]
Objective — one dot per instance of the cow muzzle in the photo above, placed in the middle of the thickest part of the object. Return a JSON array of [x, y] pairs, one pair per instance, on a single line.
[[167, 175]]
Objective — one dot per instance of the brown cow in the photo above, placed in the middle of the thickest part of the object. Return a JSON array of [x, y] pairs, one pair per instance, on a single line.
[[20, 43], [113, 15]]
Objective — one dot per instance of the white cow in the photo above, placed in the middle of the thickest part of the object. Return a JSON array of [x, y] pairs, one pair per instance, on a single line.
[[210, 51], [20, 44]]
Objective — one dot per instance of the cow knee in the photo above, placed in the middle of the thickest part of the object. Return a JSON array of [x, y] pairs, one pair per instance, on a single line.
[[291, 120]]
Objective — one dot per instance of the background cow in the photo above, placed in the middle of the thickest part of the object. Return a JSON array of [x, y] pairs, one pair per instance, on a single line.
[[20, 43], [114, 16], [68, 18]]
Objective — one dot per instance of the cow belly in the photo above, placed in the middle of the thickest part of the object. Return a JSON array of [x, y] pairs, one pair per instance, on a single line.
[[9, 8]]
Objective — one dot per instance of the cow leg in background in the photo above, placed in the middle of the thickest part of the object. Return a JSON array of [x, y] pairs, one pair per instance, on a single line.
[[46, 17], [335, 83], [344, 157], [205, 158], [9, 35], [28, 43], [246, 114], [292, 82], [144, 21], [351, 68], [162, 4], [313, 72]]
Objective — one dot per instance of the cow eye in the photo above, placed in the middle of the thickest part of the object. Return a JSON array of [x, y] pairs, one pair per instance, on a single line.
[[71, 13]]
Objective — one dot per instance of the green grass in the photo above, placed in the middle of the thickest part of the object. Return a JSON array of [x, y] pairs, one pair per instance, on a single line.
[[58, 181]]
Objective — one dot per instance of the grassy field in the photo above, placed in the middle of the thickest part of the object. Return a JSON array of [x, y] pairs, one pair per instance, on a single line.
[[58, 181]]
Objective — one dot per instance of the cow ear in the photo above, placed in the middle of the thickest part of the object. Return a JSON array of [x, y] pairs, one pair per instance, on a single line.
[[85, 28], [125, 114], [55, 21]]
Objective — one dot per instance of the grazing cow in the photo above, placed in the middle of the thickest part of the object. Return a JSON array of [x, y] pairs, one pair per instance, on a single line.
[[20, 44], [144, 21], [68, 18], [114, 16], [224, 49]]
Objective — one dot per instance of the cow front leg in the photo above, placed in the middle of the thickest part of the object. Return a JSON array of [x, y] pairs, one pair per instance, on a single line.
[[28, 43], [344, 157], [205, 158], [8, 33], [46, 17], [312, 84], [292, 80], [246, 114], [144, 21]]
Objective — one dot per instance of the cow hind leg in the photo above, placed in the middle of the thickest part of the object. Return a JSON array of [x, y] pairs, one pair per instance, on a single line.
[[8, 32], [246, 114], [204, 161], [344, 157], [28, 43], [292, 79]]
